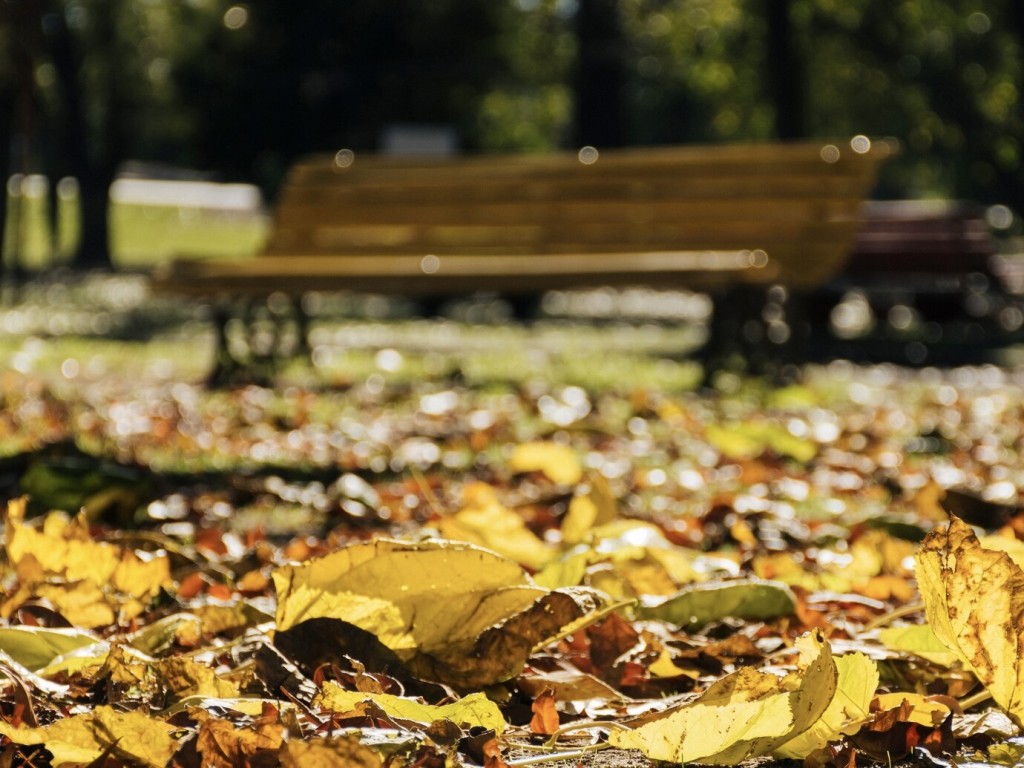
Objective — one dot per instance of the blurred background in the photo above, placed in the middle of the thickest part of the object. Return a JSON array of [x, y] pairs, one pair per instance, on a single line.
[[141, 106]]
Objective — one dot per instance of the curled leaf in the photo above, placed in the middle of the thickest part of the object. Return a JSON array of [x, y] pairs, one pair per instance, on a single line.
[[850, 707], [455, 613]]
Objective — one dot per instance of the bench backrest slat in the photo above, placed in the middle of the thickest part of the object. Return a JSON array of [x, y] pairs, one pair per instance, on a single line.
[[685, 198]]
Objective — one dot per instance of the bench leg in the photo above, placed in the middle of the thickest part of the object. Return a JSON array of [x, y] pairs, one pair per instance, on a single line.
[[253, 337], [756, 331]]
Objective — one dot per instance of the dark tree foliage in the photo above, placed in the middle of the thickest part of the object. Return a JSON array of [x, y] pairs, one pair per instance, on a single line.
[[299, 77]]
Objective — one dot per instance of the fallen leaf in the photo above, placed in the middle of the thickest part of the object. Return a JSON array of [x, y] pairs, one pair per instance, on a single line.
[[558, 462], [849, 708], [545, 716], [920, 640], [484, 520], [700, 604], [744, 715], [131, 736], [920, 709], [223, 744], [974, 602], [748, 440], [181, 677], [597, 507], [474, 710], [35, 647], [453, 612], [329, 753]]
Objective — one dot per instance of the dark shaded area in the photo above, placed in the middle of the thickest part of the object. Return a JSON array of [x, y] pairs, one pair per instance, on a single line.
[[243, 90]]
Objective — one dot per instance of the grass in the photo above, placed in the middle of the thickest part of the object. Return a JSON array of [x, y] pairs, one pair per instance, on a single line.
[[141, 235]]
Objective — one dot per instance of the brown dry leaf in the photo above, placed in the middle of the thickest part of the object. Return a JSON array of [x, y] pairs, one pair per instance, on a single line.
[[545, 716], [743, 715], [974, 601], [223, 744], [329, 753]]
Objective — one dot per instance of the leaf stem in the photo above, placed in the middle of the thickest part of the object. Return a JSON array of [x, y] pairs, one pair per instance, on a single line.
[[891, 616], [555, 757], [582, 726], [979, 698]]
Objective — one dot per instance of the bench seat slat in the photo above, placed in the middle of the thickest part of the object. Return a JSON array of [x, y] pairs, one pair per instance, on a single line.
[[595, 238]]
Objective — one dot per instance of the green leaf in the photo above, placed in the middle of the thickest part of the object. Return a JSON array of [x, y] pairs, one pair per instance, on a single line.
[[700, 604], [748, 440], [920, 640], [35, 647]]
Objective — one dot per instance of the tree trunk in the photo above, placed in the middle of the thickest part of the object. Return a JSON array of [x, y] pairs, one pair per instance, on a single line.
[[92, 165], [784, 73], [601, 75]]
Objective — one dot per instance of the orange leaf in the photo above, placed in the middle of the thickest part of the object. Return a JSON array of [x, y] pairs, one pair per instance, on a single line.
[[545, 716], [492, 755]]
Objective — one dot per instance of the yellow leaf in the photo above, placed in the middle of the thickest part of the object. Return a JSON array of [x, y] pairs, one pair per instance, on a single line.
[[596, 507], [485, 521], [748, 440], [744, 715], [579, 520], [1010, 754], [60, 562], [471, 711], [450, 609], [974, 602], [924, 711], [663, 666], [849, 709], [131, 736], [1011, 546], [555, 460], [141, 574], [920, 640], [182, 677], [82, 603]]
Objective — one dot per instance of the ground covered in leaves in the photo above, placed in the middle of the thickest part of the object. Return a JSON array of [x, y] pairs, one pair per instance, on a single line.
[[412, 557]]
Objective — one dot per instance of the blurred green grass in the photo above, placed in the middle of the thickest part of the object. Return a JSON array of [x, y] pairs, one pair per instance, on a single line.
[[142, 236]]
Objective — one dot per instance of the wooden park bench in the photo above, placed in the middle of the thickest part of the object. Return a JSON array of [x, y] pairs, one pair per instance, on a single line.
[[729, 220]]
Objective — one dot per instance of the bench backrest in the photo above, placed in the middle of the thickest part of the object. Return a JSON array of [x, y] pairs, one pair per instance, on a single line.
[[797, 202]]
